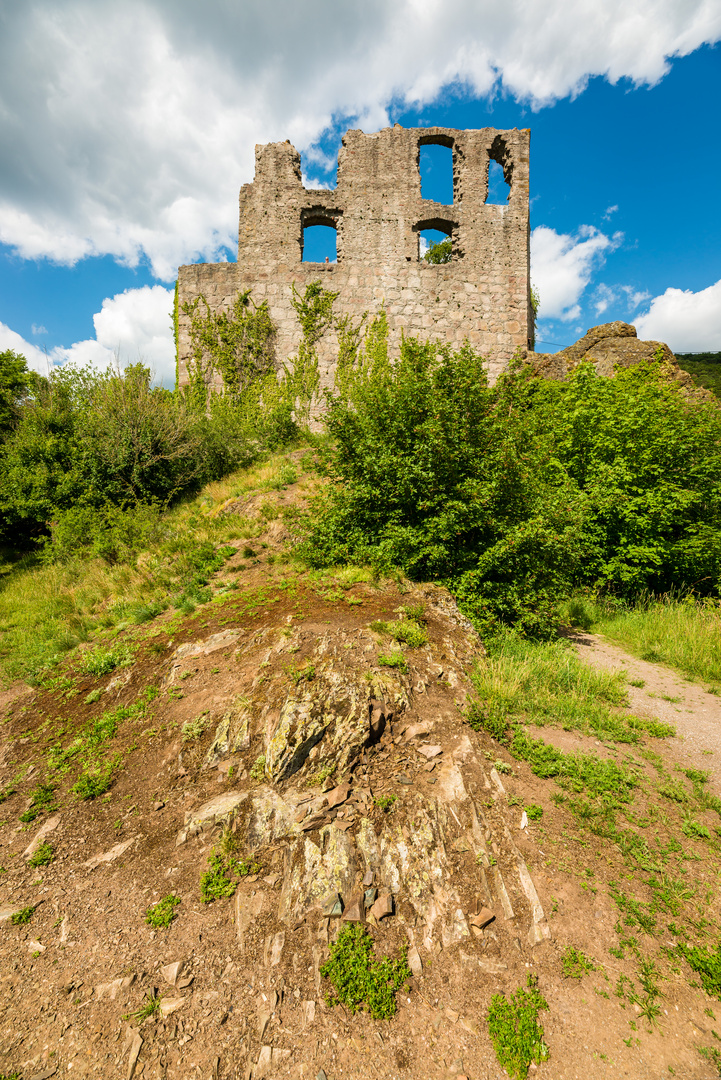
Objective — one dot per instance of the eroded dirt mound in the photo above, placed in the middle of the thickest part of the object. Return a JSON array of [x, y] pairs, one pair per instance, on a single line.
[[306, 750]]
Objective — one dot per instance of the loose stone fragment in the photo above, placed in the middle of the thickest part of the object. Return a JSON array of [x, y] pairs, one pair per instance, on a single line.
[[430, 751], [316, 821], [369, 897], [333, 907], [338, 795], [382, 907], [169, 1005], [368, 878], [171, 972], [483, 918], [414, 961], [355, 911]]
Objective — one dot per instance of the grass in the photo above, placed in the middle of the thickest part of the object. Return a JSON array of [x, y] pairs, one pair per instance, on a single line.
[[47, 610], [548, 684], [385, 802], [684, 634], [257, 771], [361, 981], [150, 1007], [161, 915], [394, 659], [515, 1032], [707, 965]]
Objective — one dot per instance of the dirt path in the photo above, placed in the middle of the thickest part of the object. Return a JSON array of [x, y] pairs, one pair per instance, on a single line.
[[666, 695]]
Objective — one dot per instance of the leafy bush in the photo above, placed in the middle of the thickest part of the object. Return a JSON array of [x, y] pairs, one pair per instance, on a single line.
[[360, 980], [516, 495], [92, 783], [707, 966], [43, 798]]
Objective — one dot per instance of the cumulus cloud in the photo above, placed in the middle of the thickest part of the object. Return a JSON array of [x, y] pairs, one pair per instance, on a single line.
[[687, 321], [562, 265], [132, 326], [624, 296], [126, 129]]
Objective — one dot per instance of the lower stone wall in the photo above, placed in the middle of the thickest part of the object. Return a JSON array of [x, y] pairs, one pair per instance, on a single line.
[[432, 302]]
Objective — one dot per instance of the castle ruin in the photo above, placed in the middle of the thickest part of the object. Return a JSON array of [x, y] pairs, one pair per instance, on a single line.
[[482, 294]]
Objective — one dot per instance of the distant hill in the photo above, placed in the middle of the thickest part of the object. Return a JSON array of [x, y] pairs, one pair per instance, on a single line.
[[705, 368]]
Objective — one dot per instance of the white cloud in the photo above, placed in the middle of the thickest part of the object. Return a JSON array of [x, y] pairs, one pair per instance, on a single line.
[[621, 295], [687, 321], [132, 326], [126, 129], [562, 265], [38, 329]]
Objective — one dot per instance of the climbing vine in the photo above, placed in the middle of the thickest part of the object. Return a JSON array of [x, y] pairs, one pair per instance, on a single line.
[[238, 344]]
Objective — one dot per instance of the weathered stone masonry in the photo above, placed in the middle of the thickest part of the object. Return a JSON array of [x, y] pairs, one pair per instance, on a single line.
[[482, 294]]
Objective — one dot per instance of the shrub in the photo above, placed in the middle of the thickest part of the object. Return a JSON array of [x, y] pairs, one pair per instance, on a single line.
[[518, 494], [515, 1032], [19, 918], [360, 980]]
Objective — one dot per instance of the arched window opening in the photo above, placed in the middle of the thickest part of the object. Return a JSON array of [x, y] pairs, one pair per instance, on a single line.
[[434, 242], [320, 244], [435, 163]]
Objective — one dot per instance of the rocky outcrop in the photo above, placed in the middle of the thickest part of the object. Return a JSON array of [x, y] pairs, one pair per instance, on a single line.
[[609, 347]]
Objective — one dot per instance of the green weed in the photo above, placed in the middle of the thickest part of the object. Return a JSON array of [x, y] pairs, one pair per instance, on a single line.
[[215, 882], [19, 918], [92, 783], [43, 856], [406, 631], [359, 979], [385, 802], [576, 964], [515, 1032], [394, 659], [319, 777], [707, 966], [150, 1007], [100, 661], [533, 812], [193, 729], [162, 914], [43, 799], [257, 771]]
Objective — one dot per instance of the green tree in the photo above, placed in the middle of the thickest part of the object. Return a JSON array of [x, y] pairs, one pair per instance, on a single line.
[[16, 384], [440, 252]]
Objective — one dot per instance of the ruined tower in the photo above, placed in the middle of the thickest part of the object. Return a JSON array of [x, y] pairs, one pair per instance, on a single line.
[[482, 294]]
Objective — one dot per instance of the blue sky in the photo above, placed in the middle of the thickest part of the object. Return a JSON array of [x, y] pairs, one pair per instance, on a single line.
[[126, 134]]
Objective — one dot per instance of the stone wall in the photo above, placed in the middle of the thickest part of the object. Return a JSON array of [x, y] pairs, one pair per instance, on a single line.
[[483, 294]]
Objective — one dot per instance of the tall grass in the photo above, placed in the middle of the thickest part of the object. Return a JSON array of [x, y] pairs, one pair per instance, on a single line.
[[683, 633], [48, 609], [546, 683]]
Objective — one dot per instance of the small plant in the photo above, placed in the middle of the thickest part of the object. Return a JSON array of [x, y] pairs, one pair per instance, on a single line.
[[257, 771], [394, 659], [385, 802], [102, 661], [576, 964], [42, 857], [94, 695], [515, 1032], [695, 830], [697, 776], [19, 918], [215, 883], [360, 980], [319, 777], [92, 784], [638, 683], [149, 1007], [304, 674], [193, 729], [502, 767], [533, 812], [706, 964], [43, 798], [402, 630], [162, 914]]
